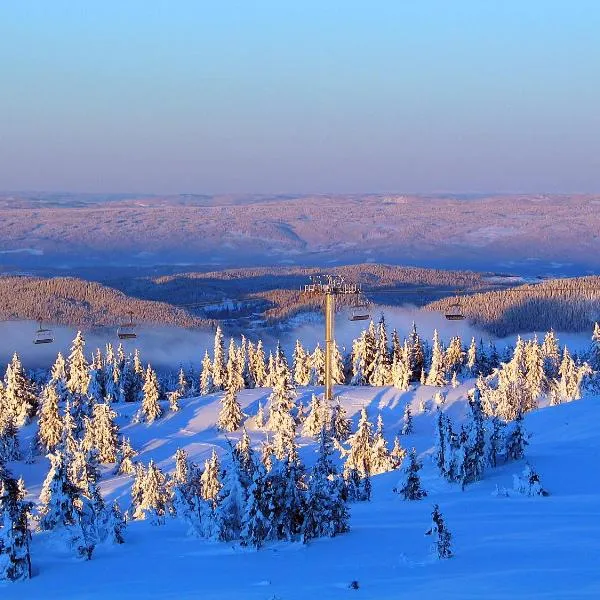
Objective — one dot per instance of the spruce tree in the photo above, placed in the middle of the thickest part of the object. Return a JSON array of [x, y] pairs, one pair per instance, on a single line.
[[231, 501], [411, 484], [256, 522], [339, 422], [313, 422], [301, 365], [151, 409], [407, 425], [106, 433], [231, 416], [516, 439], [124, 458], [359, 456], [78, 378], [442, 537], [207, 385], [437, 371], [210, 479], [219, 372], [19, 398]]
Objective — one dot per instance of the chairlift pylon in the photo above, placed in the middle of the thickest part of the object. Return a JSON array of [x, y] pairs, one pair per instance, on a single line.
[[126, 331], [43, 335]]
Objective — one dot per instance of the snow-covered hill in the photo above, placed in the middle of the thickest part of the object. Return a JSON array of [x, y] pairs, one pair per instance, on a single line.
[[505, 547]]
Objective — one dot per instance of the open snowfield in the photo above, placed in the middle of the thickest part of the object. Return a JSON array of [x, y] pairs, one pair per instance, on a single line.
[[505, 547]]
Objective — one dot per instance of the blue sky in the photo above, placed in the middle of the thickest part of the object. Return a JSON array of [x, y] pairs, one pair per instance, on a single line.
[[300, 96]]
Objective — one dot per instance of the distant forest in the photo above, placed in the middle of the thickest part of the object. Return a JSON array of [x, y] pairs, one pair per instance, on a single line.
[[85, 304], [559, 304]]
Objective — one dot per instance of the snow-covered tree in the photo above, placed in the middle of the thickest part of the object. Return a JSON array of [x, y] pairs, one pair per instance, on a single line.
[[210, 479], [339, 422], [528, 483], [398, 454], [472, 363], [314, 421], [219, 371], [106, 433], [77, 381], [154, 495], [231, 416], [234, 379], [441, 536], [19, 398], [151, 409], [207, 385], [410, 486], [407, 425], [437, 371], [124, 459], [231, 501], [360, 444], [516, 439], [301, 365], [257, 367], [58, 495]]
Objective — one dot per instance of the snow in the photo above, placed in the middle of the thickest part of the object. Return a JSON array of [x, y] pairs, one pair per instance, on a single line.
[[504, 547]]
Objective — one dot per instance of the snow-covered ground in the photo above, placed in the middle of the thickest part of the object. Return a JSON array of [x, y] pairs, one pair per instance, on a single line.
[[505, 547]]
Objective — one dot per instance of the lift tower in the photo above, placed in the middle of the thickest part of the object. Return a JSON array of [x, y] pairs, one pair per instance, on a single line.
[[330, 286]]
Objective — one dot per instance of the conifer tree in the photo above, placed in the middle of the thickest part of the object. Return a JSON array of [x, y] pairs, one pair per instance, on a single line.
[[124, 459], [210, 479], [359, 456], [245, 457], [317, 367], [19, 399], [258, 369], [495, 441], [259, 419], [151, 409], [397, 454], [594, 354], [528, 483], [472, 358], [256, 522], [234, 370], [207, 385], [359, 361], [58, 495], [115, 524], [411, 484], [301, 365], [77, 381], [231, 502], [324, 512], [381, 460], [154, 497], [231, 416], [400, 374], [9, 439], [219, 372], [339, 423], [551, 355], [15, 559], [313, 422], [441, 536], [106, 433], [407, 425], [516, 439], [437, 371]]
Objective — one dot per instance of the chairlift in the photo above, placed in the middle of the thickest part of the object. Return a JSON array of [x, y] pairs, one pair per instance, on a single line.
[[43, 335], [126, 331], [360, 310], [454, 312]]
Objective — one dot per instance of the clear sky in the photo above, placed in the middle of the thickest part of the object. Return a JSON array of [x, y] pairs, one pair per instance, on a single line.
[[300, 95]]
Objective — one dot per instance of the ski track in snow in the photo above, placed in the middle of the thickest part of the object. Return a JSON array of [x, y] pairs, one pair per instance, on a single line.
[[511, 547]]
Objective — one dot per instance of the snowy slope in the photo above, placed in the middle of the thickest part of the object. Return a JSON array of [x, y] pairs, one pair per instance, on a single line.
[[504, 547]]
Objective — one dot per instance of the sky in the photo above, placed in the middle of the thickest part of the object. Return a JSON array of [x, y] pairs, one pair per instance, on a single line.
[[274, 96]]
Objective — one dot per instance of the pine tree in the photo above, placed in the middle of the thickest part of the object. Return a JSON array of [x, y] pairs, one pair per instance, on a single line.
[[115, 524], [440, 444], [9, 439], [516, 439], [231, 501], [473, 445], [472, 359], [401, 374], [124, 459], [78, 379], [594, 353], [359, 456], [407, 425], [15, 559], [207, 385], [219, 372], [106, 433], [317, 367], [231, 416], [58, 495], [411, 485], [210, 479], [339, 422], [257, 366], [528, 484], [442, 537], [437, 371], [256, 520], [416, 353], [259, 419], [359, 361], [154, 497], [234, 379], [551, 355], [324, 512], [151, 409], [397, 454], [495, 441], [19, 399], [301, 365], [313, 422]]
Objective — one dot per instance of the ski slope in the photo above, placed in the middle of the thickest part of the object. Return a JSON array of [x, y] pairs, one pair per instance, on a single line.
[[505, 547]]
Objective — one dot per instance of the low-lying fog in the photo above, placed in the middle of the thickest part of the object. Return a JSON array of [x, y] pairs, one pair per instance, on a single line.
[[171, 346]]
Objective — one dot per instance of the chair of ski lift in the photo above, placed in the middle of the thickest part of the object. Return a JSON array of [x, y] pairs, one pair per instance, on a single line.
[[454, 312], [43, 335], [360, 310], [126, 331]]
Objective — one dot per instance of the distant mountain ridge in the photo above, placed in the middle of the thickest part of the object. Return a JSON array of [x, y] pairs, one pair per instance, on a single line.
[[531, 234]]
